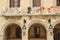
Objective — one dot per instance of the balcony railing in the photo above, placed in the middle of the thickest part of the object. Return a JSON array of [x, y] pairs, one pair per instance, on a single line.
[[18, 12], [22, 11]]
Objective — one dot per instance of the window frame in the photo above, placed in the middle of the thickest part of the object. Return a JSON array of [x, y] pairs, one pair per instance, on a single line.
[[36, 3], [12, 3], [58, 2]]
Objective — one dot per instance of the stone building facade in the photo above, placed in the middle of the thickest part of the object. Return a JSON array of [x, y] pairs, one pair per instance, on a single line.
[[19, 22]]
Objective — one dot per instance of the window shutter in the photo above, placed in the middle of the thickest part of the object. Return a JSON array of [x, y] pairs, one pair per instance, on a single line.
[[58, 2], [11, 3], [18, 3]]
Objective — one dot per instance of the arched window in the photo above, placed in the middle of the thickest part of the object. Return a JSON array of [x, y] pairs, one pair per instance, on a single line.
[[37, 32], [36, 3], [58, 2], [13, 32], [14, 3], [56, 32]]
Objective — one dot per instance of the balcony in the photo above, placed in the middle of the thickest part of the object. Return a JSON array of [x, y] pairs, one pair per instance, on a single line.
[[12, 12], [29, 12], [18, 12]]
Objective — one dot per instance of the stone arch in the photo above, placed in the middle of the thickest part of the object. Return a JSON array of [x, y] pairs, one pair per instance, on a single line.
[[12, 29], [10, 22], [37, 21], [55, 23], [56, 31], [40, 23]]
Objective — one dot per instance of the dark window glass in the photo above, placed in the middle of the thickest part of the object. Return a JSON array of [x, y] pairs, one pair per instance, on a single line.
[[36, 32]]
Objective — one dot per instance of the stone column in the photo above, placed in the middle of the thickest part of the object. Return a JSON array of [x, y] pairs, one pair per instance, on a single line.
[[25, 37], [1, 37], [49, 35]]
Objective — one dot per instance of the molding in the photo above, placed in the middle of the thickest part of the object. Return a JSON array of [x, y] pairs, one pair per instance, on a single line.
[[11, 17]]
